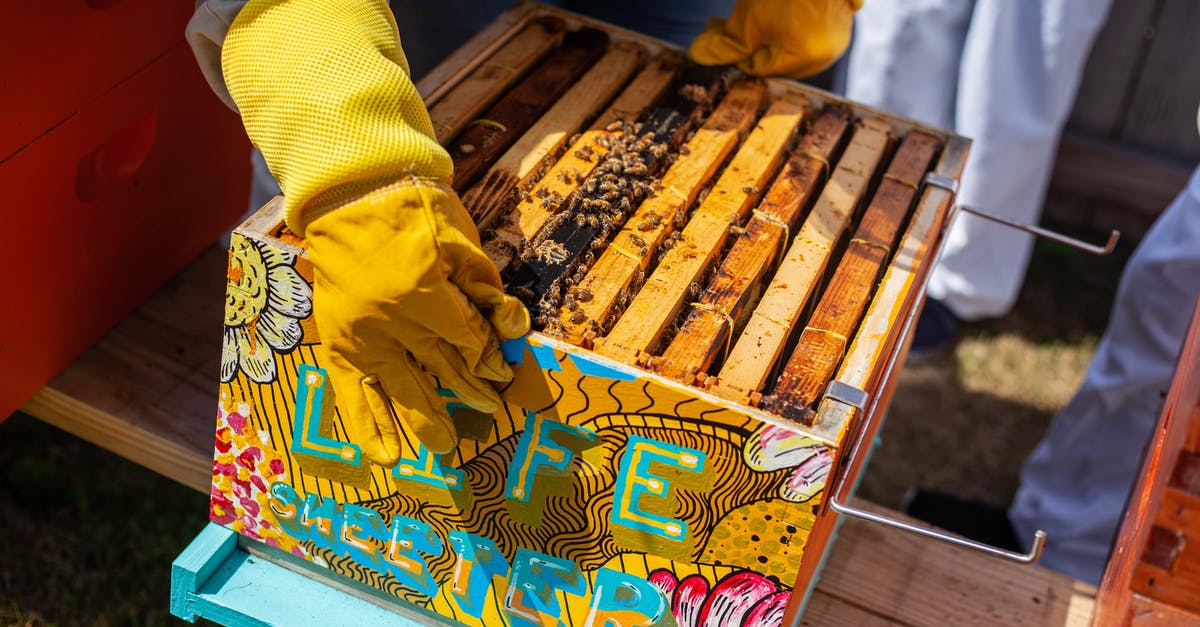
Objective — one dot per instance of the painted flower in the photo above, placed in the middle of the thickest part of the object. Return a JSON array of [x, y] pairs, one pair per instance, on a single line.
[[743, 598], [772, 448], [265, 300], [243, 470]]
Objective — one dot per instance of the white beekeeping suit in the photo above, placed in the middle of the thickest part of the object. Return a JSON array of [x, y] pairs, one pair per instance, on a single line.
[[1076, 483], [1001, 72]]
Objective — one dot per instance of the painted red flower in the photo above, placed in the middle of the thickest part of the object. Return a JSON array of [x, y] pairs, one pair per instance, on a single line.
[[743, 598]]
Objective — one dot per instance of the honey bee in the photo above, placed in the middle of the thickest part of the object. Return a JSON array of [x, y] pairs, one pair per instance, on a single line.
[[637, 241], [578, 317], [750, 189], [583, 294]]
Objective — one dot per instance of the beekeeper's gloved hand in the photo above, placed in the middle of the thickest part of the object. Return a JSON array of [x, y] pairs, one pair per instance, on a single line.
[[400, 283], [794, 38]]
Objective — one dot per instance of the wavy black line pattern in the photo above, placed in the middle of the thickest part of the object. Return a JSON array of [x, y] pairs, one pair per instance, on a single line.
[[587, 401], [649, 399], [678, 411], [616, 399], [561, 389], [343, 565], [580, 529]]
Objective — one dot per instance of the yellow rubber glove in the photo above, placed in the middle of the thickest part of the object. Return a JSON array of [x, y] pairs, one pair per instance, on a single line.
[[794, 38], [401, 283]]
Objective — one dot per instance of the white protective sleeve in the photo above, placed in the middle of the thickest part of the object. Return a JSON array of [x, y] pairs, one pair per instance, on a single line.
[[1075, 484], [1001, 72], [206, 34]]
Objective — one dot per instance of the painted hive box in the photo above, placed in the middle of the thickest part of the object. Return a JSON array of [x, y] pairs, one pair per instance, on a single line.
[[704, 255]]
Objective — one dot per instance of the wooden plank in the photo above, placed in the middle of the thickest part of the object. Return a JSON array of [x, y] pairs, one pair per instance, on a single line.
[[1162, 114], [533, 208], [614, 273], [487, 137], [1111, 73], [1150, 492], [1169, 567], [825, 338], [524, 160], [148, 390], [826, 610], [761, 342], [920, 581], [722, 308], [656, 306], [1097, 169], [1145, 611], [452, 112]]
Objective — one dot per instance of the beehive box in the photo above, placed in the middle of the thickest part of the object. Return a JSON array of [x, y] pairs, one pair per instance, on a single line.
[[1153, 573], [704, 255]]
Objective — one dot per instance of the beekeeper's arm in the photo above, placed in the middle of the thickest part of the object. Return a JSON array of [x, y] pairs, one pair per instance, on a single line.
[[794, 38], [324, 91]]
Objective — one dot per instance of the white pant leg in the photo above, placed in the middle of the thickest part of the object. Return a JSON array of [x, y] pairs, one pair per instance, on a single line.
[[1021, 65], [1076, 482], [904, 57]]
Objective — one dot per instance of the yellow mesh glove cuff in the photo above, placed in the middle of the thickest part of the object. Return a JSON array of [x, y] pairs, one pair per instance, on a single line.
[[324, 91], [795, 38]]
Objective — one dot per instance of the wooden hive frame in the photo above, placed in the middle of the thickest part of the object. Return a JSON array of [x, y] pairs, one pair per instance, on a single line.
[[669, 329]]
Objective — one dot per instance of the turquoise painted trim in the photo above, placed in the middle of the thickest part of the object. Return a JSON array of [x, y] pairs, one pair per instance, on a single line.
[[544, 356], [196, 565], [514, 350], [597, 369], [217, 580]]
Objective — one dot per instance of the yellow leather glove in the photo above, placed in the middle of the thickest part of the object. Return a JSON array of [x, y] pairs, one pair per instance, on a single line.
[[794, 38], [400, 281]]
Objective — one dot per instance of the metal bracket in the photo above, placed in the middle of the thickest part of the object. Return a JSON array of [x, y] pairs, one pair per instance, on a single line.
[[1035, 551], [942, 181], [1107, 248], [847, 394]]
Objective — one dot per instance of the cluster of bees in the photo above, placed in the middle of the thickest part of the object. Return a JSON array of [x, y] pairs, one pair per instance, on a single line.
[[626, 158]]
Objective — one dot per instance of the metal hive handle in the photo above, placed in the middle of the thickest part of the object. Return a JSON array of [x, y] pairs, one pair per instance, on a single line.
[[1035, 552], [948, 183], [1107, 248], [844, 393]]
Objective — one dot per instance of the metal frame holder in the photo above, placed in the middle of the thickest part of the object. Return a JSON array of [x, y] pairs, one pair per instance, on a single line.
[[849, 395], [940, 180], [868, 406]]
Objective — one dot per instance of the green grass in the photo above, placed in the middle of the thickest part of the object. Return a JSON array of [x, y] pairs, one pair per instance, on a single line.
[[86, 538]]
